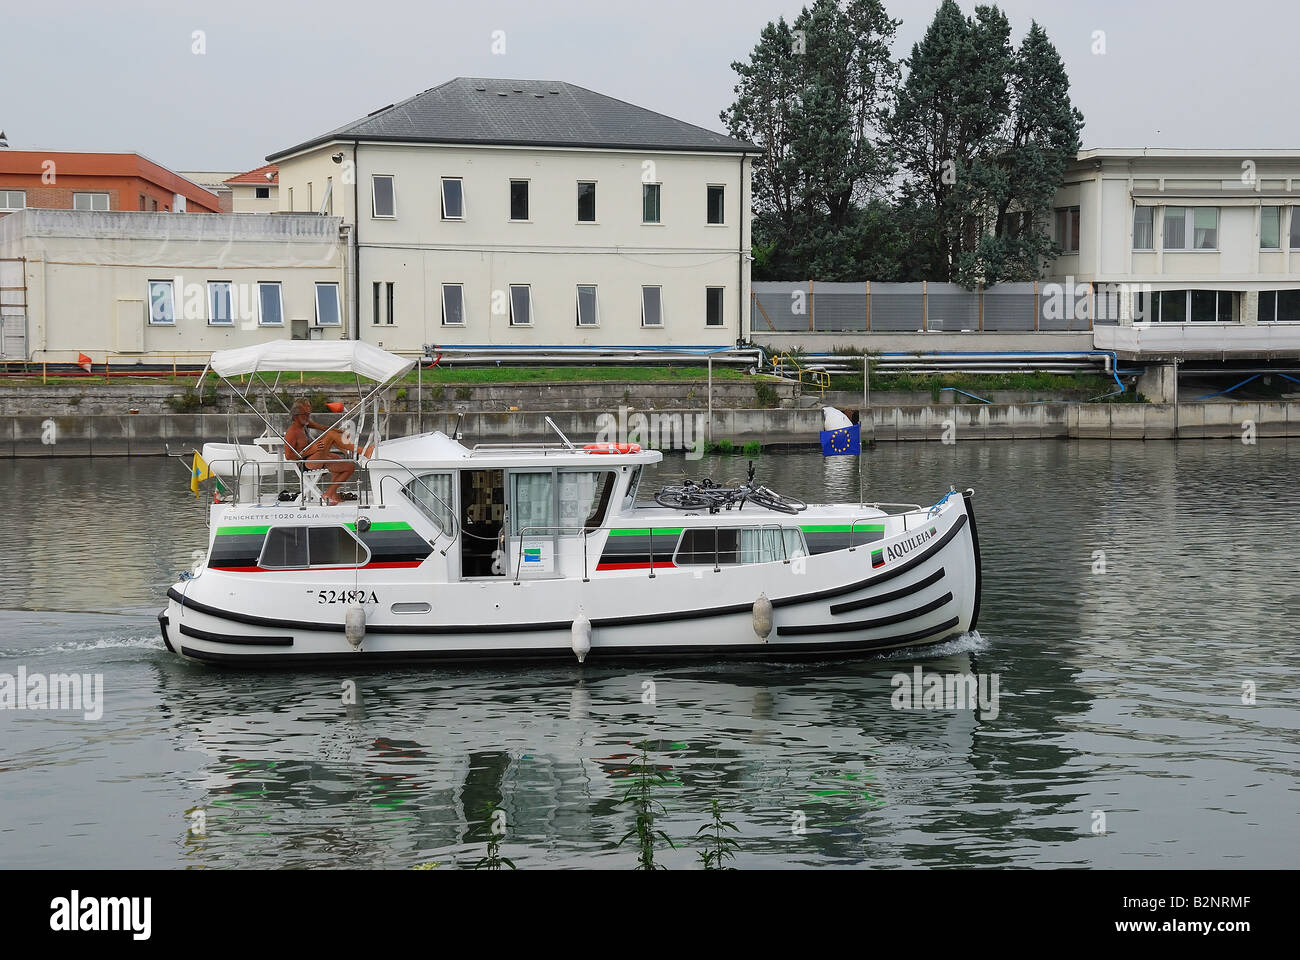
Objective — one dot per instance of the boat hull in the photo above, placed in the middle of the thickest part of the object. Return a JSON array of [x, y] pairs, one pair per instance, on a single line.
[[916, 588]]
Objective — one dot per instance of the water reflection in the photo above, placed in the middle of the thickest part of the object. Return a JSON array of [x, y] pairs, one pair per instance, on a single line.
[[1121, 691]]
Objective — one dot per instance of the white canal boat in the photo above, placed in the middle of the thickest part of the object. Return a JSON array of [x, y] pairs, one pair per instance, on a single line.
[[520, 552]]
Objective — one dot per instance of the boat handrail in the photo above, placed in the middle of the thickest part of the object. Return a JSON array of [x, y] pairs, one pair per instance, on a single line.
[[585, 532], [543, 448]]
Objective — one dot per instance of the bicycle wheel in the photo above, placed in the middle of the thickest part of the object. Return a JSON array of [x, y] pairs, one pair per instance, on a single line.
[[775, 501], [679, 498]]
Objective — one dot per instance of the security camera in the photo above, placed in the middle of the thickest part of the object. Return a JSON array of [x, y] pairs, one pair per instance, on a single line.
[[338, 157], [269, 175]]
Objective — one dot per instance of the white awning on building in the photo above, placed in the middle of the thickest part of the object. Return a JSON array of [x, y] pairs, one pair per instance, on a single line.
[[311, 356]]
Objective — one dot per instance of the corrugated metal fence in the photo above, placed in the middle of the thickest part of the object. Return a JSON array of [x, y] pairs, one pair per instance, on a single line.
[[821, 307]]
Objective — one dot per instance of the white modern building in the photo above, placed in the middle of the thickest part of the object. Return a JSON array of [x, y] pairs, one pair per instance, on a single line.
[[129, 288], [527, 212], [1188, 253]]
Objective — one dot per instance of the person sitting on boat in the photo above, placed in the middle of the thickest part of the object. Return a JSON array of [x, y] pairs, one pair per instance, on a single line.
[[319, 453]]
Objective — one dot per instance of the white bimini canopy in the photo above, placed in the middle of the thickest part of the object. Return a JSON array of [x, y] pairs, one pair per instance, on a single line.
[[311, 356]]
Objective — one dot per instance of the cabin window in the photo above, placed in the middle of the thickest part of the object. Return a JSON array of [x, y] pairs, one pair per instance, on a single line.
[[1270, 228], [431, 492], [584, 499], [297, 547], [532, 502], [629, 498], [706, 545]]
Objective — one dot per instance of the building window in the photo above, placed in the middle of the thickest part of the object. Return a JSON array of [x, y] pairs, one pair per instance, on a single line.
[[713, 306], [270, 305], [144, 202], [453, 305], [162, 302], [1295, 230], [90, 201], [383, 197], [1067, 229], [262, 193], [310, 195], [221, 309], [1279, 306], [327, 305], [715, 203], [518, 199], [1191, 228], [13, 200], [521, 305], [652, 307], [1270, 228], [1191, 306], [586, 201], [588, 315], [1144, 231], [290, 200], [650, 202], [453, 199], [382, 295]]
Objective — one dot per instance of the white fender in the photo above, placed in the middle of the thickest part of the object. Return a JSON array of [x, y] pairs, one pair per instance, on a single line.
[[354, 626], [581, 632], [762, 617]]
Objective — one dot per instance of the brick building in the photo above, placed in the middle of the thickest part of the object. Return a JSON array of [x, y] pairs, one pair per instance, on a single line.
[[50, 180]]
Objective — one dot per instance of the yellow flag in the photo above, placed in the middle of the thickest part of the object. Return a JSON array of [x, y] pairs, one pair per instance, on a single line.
[[199, 472]]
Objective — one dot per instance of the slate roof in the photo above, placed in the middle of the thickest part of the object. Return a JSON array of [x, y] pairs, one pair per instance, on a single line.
[[541, 113]]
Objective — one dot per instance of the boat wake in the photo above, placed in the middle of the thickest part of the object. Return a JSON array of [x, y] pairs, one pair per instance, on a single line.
[[970, 642]]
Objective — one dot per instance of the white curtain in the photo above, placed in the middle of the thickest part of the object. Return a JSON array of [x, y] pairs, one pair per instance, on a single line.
[[578, 493], [769, 544], [432, 494], [532, 502]]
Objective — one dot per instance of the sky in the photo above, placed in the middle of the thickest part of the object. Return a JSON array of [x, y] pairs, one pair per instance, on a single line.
[[129, 76]]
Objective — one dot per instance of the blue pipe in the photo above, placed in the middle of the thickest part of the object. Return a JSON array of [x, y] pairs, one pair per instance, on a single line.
[[1232, 388]]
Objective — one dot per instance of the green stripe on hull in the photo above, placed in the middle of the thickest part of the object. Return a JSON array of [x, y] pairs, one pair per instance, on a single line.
[[253, 530], [645, 532], [842, 527]]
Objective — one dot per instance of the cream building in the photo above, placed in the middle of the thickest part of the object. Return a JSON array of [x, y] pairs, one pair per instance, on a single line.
[[144, 288], [533, 213], [1190, 253]]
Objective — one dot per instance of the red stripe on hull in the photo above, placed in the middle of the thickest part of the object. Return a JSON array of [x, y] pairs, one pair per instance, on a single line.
[[635, 566], [395, 564]]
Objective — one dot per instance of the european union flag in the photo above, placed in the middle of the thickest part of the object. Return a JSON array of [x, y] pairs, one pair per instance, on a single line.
[[847, 441]]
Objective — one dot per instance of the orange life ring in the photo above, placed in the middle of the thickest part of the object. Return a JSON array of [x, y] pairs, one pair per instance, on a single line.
[[613, 448]]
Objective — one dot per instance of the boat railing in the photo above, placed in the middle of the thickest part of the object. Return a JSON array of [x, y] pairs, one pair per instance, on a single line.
[[572, 530], [453, 533], [286, 480]]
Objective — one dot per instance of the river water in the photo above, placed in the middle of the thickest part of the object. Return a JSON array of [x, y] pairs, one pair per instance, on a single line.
[[1121, 736]]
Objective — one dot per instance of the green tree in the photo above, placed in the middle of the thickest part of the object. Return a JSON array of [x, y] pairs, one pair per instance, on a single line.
[[813, 94], [982, 133]]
